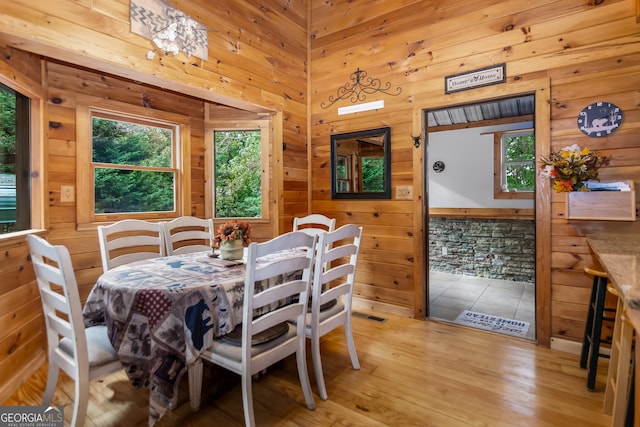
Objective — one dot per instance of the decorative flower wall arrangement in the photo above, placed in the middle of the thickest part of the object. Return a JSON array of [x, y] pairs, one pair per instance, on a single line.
[[570, 167], [233, 230]]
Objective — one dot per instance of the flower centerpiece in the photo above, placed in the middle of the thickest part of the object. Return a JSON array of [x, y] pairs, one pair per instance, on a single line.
[[572, 166], [231, 237]]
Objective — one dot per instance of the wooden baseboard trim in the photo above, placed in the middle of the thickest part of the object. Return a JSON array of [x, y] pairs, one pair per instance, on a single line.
[[368, 306], [568, 346], [7, 389]]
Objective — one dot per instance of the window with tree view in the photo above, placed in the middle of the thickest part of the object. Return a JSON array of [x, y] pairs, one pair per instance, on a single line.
[[15, 194], [237, 173], [134, 165], [517, 162]]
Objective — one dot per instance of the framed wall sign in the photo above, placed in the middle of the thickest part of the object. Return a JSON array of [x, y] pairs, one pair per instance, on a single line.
[[477, 78]]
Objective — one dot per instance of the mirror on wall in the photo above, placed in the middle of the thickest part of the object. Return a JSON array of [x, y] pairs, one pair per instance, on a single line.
[[361, 164]]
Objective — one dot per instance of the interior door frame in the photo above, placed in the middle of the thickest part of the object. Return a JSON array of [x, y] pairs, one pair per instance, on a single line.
[[542, 204]]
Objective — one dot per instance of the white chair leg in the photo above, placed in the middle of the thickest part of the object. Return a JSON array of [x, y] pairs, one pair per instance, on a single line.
[[351, 345], [81, 400], [247, 400], [304, 376], [52, 381], [317, 367], [194, 372]]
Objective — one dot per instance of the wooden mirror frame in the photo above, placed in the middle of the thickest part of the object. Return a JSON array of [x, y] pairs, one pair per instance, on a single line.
[[381, 134]]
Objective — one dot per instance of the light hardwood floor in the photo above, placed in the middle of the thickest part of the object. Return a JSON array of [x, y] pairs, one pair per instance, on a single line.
[[414, 373]]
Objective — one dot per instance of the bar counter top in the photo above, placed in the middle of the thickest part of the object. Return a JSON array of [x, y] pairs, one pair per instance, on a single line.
[[619, 254]]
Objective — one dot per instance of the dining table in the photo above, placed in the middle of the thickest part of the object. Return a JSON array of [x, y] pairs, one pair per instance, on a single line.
[[161, 313]]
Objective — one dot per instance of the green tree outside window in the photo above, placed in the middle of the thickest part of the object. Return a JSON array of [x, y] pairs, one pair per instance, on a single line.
[[238, 173], [518, 165], [132, 167]]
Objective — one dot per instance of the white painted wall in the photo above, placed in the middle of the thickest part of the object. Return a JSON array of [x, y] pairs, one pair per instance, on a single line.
[[467, 181]]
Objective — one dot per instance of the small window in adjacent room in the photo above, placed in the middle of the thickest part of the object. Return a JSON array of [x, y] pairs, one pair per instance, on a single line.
[[15, 191], [238, 173], [344, 175], [514, 157]]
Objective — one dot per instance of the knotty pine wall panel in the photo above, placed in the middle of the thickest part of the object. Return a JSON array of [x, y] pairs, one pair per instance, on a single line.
[[586, 52], [66, 82], [22, 67], [22, 344], [257, 61], [611, 80], [105, 43], [198, 178]]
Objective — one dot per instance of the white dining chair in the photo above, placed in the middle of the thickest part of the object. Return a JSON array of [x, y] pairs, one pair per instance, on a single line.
[[188, 234], [332, 292], [130, 240], [314, 224], [253, 356], [84, 354]]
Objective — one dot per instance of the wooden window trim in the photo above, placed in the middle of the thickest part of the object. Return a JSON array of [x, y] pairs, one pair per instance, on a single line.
[[19, 82], [86, 218]]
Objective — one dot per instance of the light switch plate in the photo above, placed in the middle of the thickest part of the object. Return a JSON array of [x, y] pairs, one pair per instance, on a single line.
[[67, 193]]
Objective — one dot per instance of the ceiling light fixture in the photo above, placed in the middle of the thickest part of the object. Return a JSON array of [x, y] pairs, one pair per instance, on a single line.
[[170, 29]]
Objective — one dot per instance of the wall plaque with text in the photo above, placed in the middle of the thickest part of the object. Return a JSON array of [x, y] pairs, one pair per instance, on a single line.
[[477, 78]]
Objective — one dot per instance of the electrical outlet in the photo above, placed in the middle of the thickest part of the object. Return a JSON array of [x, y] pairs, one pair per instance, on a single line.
[[404, 192], [444, 251]]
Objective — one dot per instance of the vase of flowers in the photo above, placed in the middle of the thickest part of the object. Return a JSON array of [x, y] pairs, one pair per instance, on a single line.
[[570, 167], [231, 237]]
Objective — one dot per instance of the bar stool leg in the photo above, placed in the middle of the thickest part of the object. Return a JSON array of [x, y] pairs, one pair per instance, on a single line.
[[629, 419], [588, 330], [594, 350]]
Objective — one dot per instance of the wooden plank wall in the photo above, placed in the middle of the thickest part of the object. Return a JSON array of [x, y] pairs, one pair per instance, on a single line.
[[584, 51], [22, 340], [65, 83], [257, 61]]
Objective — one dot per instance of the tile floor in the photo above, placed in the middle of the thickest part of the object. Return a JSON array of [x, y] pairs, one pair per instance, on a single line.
[[451, 294]]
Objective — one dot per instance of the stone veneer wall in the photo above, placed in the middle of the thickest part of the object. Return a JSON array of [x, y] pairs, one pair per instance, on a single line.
[[491, 248]]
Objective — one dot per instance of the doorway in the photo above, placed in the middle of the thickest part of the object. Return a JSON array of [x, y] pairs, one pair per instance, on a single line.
[[480, 187]]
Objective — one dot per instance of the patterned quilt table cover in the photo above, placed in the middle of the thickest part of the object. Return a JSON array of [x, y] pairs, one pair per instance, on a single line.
[[162, 312]]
